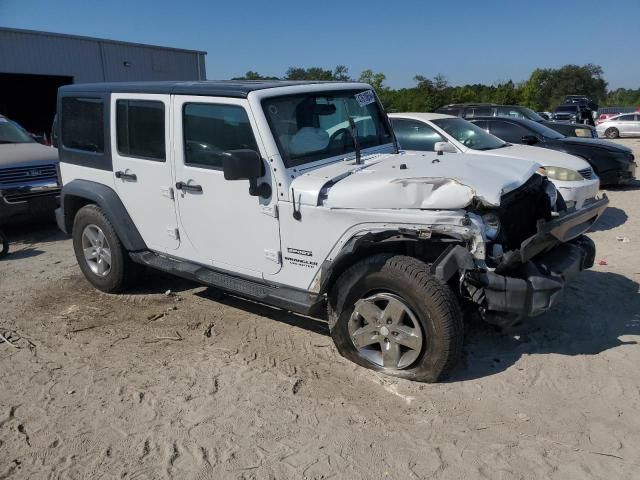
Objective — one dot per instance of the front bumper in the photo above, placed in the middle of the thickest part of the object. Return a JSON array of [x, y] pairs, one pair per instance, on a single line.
[[534, 287], [528, 280], [41, 203], [576, 193], [619, 176]]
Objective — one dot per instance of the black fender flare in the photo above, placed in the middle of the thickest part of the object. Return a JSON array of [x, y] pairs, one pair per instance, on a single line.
[[78, 193]]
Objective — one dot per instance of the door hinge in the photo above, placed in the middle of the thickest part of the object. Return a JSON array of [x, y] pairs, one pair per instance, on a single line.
[[174, 233], [167, 192], [273, 255], [271, 210]]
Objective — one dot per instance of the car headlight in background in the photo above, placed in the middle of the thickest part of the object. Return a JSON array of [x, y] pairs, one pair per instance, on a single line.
[[492, 225], [563, 174]]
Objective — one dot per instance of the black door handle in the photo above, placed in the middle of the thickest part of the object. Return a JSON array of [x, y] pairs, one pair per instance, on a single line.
[[188, 188], [132, 177]]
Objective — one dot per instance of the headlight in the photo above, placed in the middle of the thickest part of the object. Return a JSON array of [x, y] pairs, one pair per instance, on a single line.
[[563, 174], [492, 225]]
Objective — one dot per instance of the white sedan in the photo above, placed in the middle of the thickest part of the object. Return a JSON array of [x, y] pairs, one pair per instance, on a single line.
[[572, 176]]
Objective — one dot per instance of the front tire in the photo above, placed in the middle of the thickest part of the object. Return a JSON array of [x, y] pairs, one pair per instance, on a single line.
[[612, 133], [100, 254], [388, 313]]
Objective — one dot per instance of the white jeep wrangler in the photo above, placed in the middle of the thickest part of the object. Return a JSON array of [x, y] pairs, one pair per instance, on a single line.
[[270, 191]]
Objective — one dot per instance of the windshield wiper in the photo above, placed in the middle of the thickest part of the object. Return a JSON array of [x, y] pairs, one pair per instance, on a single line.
[[353, 130]]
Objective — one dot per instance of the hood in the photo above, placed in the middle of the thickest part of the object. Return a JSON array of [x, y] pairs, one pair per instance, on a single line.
[[26, 154], [544, 156], [422, 181], [594, 142]]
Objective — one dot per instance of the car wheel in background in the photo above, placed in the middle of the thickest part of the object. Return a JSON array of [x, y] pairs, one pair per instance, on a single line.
[[388, 313], [4, 248], [612, 133], [100, 254]]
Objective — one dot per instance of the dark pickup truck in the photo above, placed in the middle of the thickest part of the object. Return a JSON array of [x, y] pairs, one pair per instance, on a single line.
[[29, 181]]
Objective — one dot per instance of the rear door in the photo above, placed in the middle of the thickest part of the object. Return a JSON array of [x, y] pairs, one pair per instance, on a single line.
[[625, 124], [220, 223], [141, 134]]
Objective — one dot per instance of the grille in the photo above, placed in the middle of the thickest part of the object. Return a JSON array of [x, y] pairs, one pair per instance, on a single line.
[[521, 209], [586, 173], [19, 175]]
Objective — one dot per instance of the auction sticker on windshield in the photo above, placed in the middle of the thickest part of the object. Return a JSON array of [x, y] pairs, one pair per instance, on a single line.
[[365, 98]]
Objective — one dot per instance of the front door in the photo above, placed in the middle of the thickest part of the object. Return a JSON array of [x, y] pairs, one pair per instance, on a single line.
[[140, 140], [220, 223]]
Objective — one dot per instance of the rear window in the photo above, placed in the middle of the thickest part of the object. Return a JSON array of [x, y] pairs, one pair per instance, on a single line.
[[140, 129], [83, 124]]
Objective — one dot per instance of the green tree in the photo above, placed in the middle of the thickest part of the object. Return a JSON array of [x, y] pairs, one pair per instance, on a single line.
[[547, 87], [340, 73], [251, 75]]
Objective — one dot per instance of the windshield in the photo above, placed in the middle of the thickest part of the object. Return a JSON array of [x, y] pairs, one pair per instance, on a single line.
[[11, 132], [531, 115], [542, 130], [468, 134], [313, 126]]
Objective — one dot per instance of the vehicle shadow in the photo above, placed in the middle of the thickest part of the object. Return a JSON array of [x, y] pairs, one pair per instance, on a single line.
[[611, 218], [632, 185], [311, 324], [595, 312], [23, 236]]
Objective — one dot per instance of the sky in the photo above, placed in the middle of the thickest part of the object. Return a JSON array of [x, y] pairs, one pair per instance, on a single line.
[[468, 41]]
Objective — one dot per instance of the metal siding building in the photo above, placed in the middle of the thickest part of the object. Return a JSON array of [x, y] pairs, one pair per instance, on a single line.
[[34, 64]]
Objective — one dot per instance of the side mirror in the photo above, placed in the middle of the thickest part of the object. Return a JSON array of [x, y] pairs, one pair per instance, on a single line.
[[444, 147], [246, 165], [529, 139]]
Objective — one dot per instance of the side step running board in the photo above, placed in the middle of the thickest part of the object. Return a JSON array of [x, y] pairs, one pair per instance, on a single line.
[[298, 301]]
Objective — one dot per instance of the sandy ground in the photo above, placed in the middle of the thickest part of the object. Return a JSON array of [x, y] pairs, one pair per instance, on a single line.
[[150, 386]]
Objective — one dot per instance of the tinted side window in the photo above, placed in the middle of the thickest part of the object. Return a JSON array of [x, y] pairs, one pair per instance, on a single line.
[[140, 129], [509, 112], [449, 111], [83, 124], [413, 135], [478, 112], [626, 118], [482, 124], [210, 130], [507, 131]]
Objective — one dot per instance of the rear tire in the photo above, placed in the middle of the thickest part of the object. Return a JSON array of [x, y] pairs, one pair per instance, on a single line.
[[612, 133], [424, 343], [100, 254]]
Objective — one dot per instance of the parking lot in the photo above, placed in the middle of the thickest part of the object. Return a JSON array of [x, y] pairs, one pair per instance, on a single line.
[[174, 381]]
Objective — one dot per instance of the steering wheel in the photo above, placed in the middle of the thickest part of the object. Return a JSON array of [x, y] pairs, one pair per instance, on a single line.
[[468, 142], [337, 133]]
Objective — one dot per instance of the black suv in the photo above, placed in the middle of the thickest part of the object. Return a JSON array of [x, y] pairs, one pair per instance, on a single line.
[[474, 110], [613, 163]]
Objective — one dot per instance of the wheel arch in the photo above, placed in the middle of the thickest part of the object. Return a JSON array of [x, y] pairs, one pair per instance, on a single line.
[[396, 241], [78, 193]]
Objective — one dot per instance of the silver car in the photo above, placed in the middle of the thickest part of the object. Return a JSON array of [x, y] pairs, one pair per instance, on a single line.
[[624, 125]]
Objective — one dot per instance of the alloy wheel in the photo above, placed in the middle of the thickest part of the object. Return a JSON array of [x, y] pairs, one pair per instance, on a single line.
[[385, 331], [96, 249]]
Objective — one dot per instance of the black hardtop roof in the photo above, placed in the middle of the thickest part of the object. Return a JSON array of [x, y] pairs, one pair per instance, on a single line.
[[215, 88]]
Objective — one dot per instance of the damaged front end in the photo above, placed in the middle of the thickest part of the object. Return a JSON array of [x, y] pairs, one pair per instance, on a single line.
[[536, 251]]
